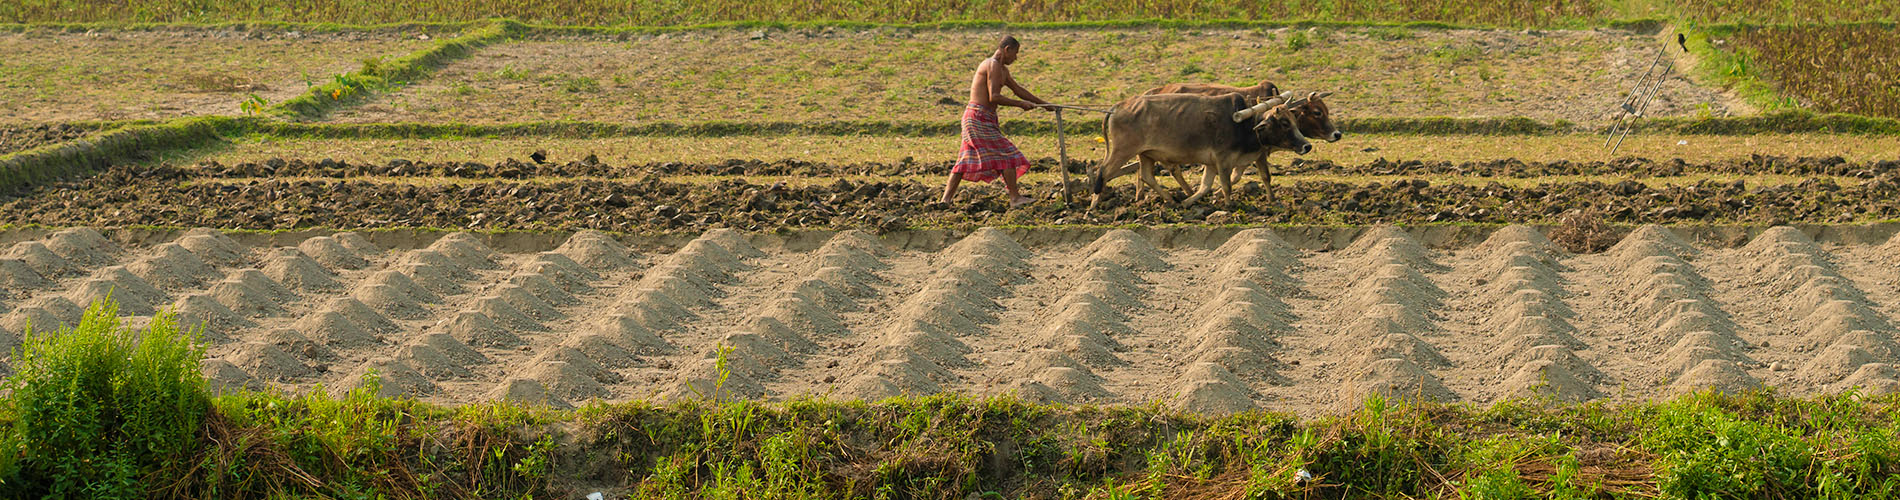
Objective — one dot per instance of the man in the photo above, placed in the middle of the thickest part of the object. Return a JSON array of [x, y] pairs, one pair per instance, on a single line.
[[986, 154]]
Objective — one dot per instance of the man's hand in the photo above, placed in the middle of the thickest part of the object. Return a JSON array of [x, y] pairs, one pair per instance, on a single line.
[[1026, 106]]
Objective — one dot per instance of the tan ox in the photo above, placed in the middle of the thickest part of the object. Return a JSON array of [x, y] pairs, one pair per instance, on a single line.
[[1222, 132]]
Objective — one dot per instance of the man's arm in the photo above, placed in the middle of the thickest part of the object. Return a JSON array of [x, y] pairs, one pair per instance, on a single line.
[[998, 78], [1010, 80]]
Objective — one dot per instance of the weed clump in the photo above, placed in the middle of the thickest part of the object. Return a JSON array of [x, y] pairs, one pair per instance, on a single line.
[[99, 406], [1583, 232]]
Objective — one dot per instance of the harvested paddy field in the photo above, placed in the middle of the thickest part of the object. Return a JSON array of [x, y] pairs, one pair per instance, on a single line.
[[1212, 320], [54, 76], [826, 74]]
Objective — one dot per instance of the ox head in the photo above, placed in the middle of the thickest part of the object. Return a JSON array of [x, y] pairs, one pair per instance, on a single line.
[[1315, 119], [1266, 89], [1275, 125]]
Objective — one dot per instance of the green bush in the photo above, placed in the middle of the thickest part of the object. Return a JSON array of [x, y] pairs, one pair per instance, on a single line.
[[100, 406], [1297, 41], [1707, 451]]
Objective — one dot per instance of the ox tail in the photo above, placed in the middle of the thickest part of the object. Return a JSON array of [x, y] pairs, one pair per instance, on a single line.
[[1098, 178]]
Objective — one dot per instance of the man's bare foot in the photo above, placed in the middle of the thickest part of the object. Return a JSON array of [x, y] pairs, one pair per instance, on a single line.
[[1020, 200]]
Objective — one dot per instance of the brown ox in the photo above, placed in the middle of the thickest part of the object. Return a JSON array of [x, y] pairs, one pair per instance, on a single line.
[[1313, 117], [1222, 132]]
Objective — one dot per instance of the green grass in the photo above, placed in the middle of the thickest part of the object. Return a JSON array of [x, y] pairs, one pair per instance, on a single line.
[[952, 447]]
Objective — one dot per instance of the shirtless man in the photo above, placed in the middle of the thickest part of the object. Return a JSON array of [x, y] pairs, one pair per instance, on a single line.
[[986, 154]]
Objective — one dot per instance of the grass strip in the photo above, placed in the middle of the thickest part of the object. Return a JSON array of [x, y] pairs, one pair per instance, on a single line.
[[951, 447], [375, 74]]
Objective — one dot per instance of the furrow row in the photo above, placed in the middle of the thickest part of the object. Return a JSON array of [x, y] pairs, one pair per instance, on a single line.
[[1213, 323]]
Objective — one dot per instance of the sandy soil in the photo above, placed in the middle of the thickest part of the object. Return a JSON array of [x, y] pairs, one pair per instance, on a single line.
[[843, 74], [1207, 322]]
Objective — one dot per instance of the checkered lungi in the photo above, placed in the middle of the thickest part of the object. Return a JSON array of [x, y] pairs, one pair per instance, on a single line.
[[985, 151]]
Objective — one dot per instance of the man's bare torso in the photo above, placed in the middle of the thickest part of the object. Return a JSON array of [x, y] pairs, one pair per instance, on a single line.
[[988, 81]]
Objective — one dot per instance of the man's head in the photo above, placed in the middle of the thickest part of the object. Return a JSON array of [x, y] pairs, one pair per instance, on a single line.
[[1006, 49]]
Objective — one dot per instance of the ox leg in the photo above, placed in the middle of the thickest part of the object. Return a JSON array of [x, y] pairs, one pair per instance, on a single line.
[[1142, 175], [1266, 178], [1266, 174], [1178, 178], [1147, 169], [1227, 184], [1207, 184]]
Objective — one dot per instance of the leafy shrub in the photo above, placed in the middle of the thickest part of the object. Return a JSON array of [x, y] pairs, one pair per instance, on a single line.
[[1706, 452], [1297, 41], [99, 406]]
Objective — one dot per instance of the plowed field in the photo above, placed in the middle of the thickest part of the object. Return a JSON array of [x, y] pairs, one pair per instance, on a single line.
[[1214, 320]]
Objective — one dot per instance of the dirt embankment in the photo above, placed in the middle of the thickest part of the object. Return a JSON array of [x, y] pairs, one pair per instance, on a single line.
[[181, 197], [1834, 166], [17, 138]]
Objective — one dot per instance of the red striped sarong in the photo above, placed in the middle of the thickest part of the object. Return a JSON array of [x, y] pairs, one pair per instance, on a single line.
[[985, 151]]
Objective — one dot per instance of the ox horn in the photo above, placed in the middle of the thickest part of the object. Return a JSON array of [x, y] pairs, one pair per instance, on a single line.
[[1243, 115], [1321, 94]]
